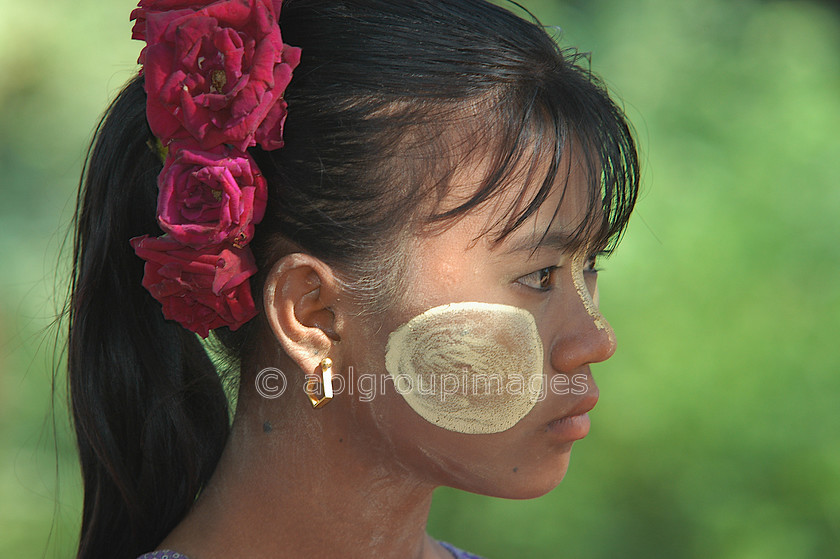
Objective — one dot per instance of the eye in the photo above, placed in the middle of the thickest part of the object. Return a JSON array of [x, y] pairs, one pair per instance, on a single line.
[[541, 280]]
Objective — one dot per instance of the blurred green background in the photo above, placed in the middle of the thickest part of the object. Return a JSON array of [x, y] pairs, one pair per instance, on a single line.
[[717, 433]]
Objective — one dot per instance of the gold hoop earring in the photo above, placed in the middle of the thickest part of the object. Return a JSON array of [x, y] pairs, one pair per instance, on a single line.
[[311, 385]]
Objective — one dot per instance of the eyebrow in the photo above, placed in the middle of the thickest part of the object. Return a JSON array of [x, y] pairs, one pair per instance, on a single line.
[[555, 239]]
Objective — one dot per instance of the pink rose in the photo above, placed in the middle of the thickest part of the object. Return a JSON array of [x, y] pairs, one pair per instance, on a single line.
[[216, 73], [210, 197], [200, 289]]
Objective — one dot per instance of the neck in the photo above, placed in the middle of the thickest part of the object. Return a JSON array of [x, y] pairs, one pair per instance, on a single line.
[[295, 482]]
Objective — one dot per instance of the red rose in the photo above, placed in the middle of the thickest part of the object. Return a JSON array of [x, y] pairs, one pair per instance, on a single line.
[[215, 73], [138, 15], [210, 197], [200, 289]]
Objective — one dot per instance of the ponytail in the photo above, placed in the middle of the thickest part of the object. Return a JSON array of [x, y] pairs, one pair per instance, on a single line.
[[150, 412]]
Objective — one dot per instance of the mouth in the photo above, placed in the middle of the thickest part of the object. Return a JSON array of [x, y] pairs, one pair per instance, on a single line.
[[570, 428], [575, 424]]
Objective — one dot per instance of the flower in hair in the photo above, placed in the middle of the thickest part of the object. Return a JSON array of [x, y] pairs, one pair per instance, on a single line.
[[201, 289], [215, 72], [210, 197]]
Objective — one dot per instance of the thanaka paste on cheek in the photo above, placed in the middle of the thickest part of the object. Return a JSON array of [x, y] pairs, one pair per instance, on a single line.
[[468, 367]]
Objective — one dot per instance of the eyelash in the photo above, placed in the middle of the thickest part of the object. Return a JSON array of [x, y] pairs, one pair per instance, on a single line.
[[544, 276]]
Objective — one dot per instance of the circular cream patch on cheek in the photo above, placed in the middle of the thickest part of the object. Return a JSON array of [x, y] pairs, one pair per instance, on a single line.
[[468, 367]]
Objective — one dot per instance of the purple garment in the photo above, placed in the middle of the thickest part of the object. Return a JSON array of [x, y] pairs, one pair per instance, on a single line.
[[167, 554], [458, 553]]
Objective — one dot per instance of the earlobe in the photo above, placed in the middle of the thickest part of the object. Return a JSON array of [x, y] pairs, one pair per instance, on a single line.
[[298, 297]]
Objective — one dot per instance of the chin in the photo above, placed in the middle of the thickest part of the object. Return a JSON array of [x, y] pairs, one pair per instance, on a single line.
[[528, 481]]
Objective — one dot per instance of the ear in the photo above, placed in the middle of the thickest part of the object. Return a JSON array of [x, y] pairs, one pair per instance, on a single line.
[[298, 297]]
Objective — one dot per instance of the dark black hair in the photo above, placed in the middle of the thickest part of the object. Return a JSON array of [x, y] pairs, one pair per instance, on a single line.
[[390, 97]]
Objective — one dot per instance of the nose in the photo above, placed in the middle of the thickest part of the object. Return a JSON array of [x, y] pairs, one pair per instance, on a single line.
[[582, 334], [571, 352]]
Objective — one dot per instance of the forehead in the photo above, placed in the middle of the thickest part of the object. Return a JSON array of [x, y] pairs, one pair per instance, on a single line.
[[561, 211], [465, 259]]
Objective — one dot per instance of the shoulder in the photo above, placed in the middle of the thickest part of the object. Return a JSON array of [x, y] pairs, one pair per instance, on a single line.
[[459, 553]]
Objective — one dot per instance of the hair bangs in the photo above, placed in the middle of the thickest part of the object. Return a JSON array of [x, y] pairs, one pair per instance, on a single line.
[[531, 134]]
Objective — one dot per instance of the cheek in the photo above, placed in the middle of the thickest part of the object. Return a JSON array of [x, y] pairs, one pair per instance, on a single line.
[[468, 367]]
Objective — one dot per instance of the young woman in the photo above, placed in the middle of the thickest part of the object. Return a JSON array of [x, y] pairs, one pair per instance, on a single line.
[[388, 216]]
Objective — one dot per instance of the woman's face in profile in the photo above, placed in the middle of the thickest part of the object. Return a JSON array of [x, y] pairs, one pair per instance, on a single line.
[[527, 271]]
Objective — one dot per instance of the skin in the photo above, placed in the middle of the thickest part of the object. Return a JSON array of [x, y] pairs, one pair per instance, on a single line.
[[354, 479]]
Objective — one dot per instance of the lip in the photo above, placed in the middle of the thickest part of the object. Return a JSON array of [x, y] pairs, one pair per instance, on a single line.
[[571, 427], [574, 425]]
